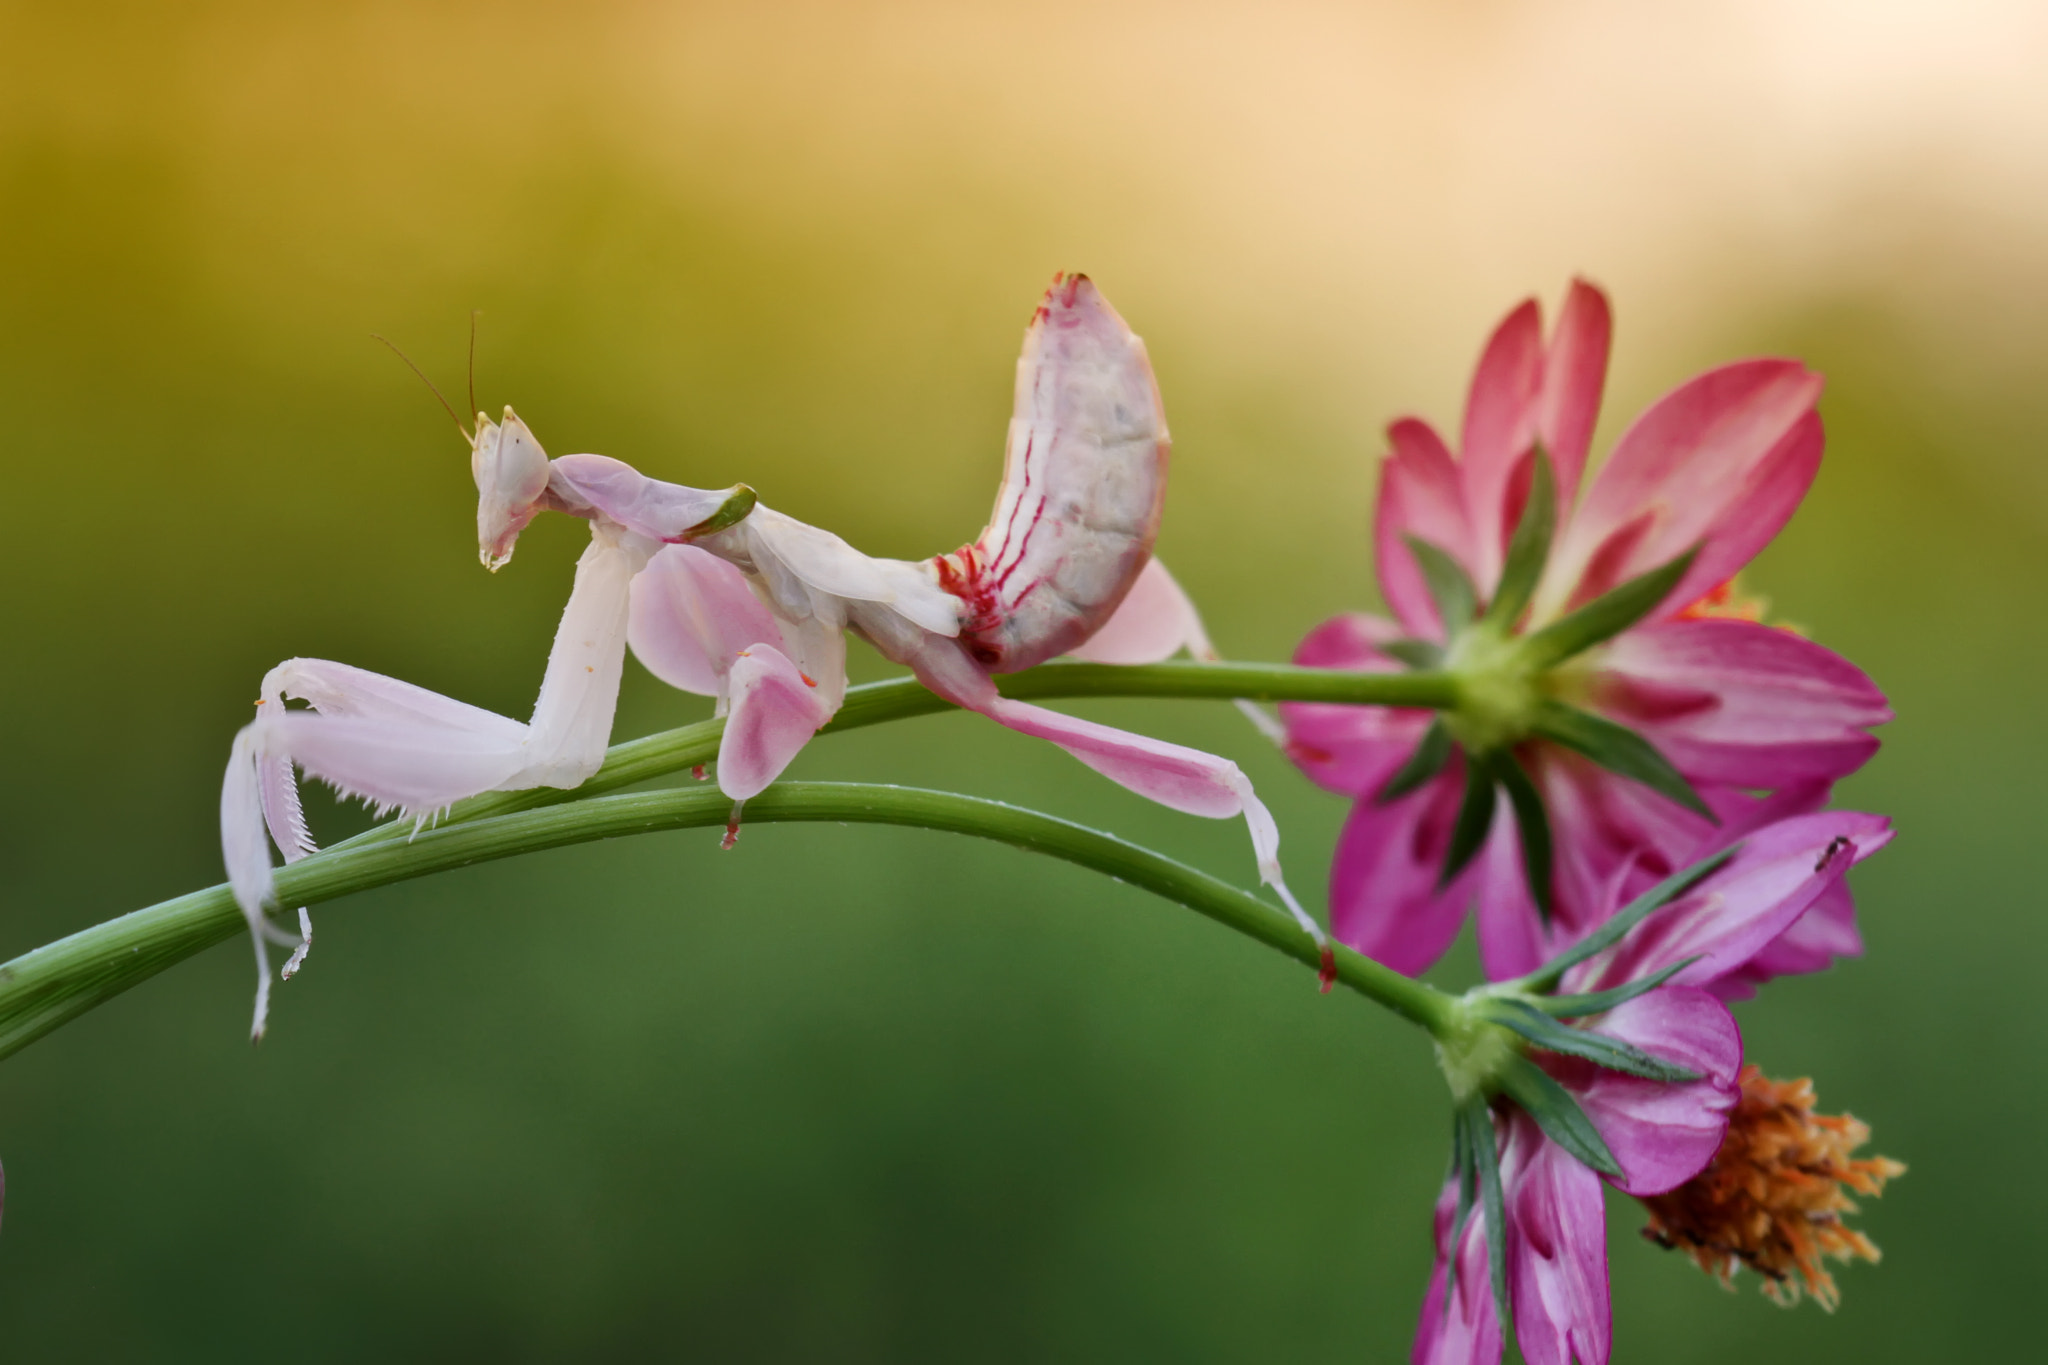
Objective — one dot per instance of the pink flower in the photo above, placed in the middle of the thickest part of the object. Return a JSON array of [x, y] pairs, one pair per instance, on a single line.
[[1728, 706], [1715, 940]]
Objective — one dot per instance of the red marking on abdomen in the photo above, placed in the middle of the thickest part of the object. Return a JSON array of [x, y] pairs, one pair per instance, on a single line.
[[964, 574]]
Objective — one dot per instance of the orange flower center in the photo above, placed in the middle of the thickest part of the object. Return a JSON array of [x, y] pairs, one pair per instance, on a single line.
[[1728, 602], [1774, 1196]]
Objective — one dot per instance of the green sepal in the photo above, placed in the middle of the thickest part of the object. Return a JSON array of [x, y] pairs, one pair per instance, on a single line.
[[1466, 1174], [1486, 1158], [1606, 616], [1415, 653], [1457, 601], [1599, 1002], [1533, 824], [1528, 547], [1613, 1054], [739, 501], [1557, 1114], [1475, 1159], [1628, 917], [1426, 762], [1475, 819], [1619, 750]]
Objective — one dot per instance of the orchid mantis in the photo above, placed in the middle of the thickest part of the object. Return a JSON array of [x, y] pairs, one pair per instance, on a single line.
[[722, 596]]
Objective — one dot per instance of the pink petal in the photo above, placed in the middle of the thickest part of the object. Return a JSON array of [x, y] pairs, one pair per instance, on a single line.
[[774, 713], [1469, 1332], [1740, 703], [1557, 1252], [1607, 834], [1780, 873], [1512, 939], [1500, 426], [1154, 621], [691, 615], [1662, 1134], [1574, 371], [1351, 750], [1351, 641], [1827, 931], [1724, 459], [1383, 896], [1422, 493]]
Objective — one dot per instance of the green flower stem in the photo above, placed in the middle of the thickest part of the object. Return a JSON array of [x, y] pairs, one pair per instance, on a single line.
[[46, 988], [671, 751]]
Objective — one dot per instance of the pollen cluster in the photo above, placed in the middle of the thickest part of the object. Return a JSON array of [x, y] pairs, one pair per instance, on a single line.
[[1774, 1195]]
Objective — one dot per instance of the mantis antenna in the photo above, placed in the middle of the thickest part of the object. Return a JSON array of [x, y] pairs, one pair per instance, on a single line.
[[472, 359], [445, 404]]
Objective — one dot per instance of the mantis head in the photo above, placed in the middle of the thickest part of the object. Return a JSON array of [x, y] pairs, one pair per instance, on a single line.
[[511, 473]]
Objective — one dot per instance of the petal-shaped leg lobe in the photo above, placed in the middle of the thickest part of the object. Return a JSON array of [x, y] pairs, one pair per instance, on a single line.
[[1155, 621], [1173, 775], [690, 616], [774, 712]]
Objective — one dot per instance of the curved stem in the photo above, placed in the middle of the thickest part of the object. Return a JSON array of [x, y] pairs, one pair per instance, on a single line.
[[687, 746], [44, 989]]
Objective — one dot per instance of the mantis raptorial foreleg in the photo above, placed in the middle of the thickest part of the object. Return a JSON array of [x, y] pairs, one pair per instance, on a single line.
[[398, 746]]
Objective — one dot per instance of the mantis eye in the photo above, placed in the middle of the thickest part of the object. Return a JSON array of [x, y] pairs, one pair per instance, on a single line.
[[511, 473]]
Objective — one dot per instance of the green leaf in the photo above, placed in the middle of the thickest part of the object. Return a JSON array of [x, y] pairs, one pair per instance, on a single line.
[[1426, 762], [1415, 653], [1533, 824], [1528, 547], [1599, 1002], [1475, 818], [1606, 616], [1629, 916], [1557, 1114], [1619, 750], [1613, 1054], [1449, 586]]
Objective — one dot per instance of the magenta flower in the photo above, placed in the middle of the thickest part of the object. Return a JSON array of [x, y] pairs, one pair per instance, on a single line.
[[1567, 1114], [1607, 686]]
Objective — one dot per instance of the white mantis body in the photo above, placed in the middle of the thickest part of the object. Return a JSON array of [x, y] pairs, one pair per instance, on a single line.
[[721, 596]]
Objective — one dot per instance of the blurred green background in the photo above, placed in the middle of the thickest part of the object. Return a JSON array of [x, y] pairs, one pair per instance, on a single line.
[[877, 1095]]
